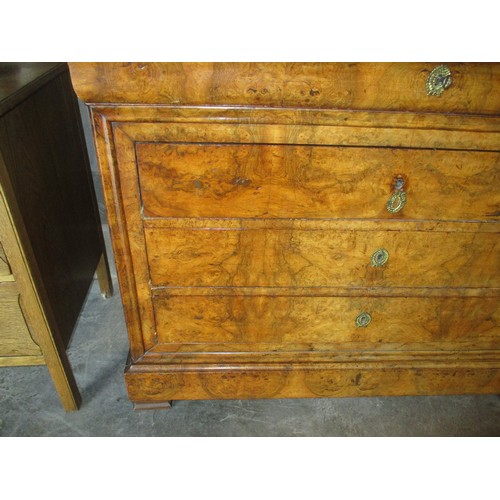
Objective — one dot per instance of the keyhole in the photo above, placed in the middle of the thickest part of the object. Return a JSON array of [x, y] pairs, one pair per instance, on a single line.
[[399, 184], [379, 257], [443, 81]]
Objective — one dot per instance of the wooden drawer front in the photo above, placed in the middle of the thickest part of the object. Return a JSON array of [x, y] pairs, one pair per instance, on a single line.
[[280, 181], [378, 86], [259, 319], [270, 257], [15, 337], [4, 264]]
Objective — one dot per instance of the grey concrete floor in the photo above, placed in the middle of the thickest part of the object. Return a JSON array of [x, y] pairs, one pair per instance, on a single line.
[[29, 405]]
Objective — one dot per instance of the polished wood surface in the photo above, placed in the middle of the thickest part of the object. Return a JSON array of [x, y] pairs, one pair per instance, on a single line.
[[50, 227], [193, 180], [377, 86], [332, 128], [15, 337], [164, 383], [243, 225], [303, 319], [18, 81], [323, 257]]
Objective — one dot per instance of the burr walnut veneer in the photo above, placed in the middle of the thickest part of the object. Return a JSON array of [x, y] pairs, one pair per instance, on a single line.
[[302, 230]]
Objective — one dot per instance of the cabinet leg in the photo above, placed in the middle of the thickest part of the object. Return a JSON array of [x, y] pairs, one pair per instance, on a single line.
[[64, 380], [162, 405], [104, 277]]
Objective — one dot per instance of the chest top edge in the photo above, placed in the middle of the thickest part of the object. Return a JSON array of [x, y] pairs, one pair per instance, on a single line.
[[470, 88]]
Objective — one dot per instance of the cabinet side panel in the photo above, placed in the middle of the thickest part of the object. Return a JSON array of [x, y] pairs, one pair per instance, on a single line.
[[47, 162]]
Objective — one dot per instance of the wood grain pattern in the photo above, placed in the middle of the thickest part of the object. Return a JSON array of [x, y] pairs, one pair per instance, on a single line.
[[270, 257], [260, 115], [193, 180], [392, 226], [360, 353], [331, 127], [275, 381], [245, 202], [15, 337], [246, 132], [104, 142], [34, 360], [373, 86], [129, 193], [261, 319]]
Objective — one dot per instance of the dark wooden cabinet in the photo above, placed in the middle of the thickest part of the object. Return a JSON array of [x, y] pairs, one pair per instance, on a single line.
[[50, 229], [302, 230]]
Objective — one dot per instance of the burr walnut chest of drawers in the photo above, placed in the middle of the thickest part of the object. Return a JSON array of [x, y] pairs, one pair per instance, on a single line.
[[302, 230]]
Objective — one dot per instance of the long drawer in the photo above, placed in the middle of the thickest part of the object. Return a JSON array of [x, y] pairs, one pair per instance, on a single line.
[[302, 319], [290, 181], [322, 257]]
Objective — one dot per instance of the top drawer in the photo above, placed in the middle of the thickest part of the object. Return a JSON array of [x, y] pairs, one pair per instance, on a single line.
[[290, 181], [474, 87]]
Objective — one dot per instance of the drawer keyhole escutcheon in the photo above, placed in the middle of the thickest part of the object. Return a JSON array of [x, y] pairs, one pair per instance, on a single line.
[[363, 320], [398, 199], [379, 257], [438, 81]]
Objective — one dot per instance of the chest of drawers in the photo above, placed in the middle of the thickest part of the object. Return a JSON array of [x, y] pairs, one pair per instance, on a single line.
[[302, 230]]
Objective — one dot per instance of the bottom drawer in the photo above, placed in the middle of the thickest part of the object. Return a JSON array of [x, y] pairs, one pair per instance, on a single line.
[[305, 319], [15, 337]]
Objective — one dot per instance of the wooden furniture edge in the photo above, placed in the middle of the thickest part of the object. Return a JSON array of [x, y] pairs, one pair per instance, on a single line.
[[159, 384], [37, 307], [22, 361], [25, 91]]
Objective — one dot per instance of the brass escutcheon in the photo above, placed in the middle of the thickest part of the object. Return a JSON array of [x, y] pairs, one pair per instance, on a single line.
[[396, 202], [379, 257], [363, 320], [438, 81]]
